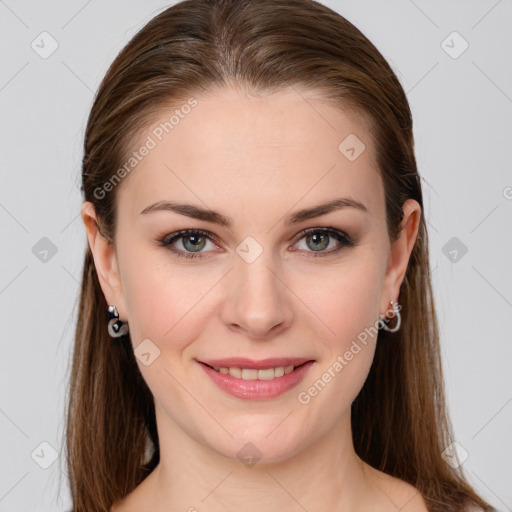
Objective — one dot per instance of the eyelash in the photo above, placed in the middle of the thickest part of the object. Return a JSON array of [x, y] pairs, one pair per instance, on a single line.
[[168, 240]]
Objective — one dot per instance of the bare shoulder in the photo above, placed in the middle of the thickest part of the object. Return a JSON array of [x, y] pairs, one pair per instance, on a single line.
[[138, 499], [127, 504], [406, 497], [399, 494]]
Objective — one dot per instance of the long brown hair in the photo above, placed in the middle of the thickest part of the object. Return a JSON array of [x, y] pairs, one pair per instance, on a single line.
[[400, 423]]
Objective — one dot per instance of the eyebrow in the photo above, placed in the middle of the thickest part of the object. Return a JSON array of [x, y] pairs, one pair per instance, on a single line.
[[297, 217]]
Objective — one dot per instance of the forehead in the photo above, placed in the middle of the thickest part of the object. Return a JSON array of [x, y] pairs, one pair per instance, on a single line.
[[233, 149]]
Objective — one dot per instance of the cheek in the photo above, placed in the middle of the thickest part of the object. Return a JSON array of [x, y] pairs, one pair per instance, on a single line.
[[168, 306], [344, 298], [165, 302], [348, 310]]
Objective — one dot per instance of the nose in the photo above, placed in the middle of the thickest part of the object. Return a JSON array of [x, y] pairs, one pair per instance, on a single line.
[[258, 301]]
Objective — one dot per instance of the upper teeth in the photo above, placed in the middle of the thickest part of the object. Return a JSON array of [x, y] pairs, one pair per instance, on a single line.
[[253, 374]]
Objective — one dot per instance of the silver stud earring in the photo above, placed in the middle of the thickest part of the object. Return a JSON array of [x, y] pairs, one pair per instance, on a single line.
[[116, 328], [396, 312]]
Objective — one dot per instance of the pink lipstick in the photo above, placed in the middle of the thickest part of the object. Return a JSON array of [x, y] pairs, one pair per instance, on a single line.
[[256, 380]]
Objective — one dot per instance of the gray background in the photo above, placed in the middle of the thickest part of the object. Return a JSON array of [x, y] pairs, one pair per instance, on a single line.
[[462, 109]]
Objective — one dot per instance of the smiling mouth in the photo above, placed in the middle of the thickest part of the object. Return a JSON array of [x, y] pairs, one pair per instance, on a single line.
[[256, 374]]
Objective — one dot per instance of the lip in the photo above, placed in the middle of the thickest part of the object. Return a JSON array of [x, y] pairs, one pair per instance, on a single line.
[[250, 364], [257, 389]]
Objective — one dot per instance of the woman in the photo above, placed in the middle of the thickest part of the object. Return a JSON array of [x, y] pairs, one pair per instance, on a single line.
[[256, 327]]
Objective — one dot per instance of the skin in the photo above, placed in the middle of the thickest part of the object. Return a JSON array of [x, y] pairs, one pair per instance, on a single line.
[[256, 159]]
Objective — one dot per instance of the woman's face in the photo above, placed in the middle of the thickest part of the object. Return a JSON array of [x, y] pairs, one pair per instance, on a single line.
[[256, 286]]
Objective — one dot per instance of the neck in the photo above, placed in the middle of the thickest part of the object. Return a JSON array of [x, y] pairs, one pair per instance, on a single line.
[[326, 475]]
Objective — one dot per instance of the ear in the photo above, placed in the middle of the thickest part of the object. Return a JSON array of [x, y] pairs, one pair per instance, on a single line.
[[399, 254], [105, 260]]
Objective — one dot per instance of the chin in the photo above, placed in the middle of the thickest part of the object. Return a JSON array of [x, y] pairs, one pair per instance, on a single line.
[[260, 445]]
